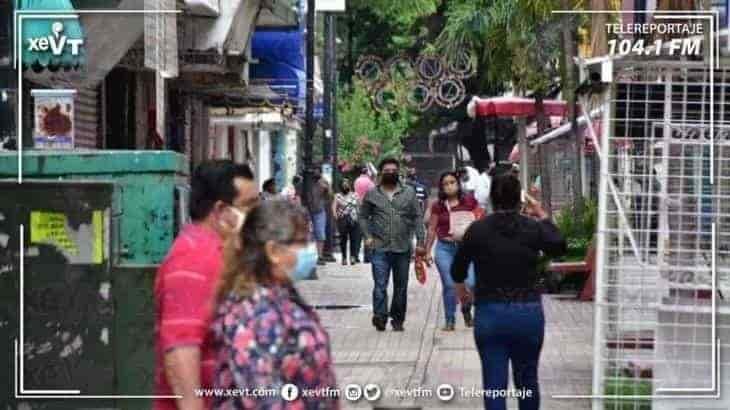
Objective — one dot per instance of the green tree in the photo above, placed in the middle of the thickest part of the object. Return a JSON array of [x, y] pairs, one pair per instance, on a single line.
[[367, 134], [515, 42]]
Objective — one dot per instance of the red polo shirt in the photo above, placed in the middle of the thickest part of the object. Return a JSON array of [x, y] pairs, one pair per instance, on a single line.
[[184, 291]]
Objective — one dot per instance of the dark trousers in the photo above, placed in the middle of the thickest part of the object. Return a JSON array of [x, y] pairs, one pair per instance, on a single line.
[[383, 264], [349, 234], [510, 332]]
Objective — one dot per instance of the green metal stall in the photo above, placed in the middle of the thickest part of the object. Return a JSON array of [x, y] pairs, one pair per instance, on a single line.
[[96, 224]]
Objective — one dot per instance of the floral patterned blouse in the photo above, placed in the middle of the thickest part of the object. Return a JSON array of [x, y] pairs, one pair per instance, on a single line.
[[268, 340]]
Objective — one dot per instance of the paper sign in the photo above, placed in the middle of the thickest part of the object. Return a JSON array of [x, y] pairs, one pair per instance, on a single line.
[[50, 228], [329, 5], [54, 119], [97, 222]]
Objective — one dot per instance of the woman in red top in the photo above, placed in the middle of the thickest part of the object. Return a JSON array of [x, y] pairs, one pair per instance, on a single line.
[[451, 199]]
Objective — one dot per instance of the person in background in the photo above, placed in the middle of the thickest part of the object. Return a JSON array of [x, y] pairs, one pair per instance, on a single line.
[[451, 201], [509, 323], [330, 226], [389, 217], [421, 191], [266, 335], [317, 202], [184, 290], [292, 192], [268, 191], [363, 184], [344, 207]]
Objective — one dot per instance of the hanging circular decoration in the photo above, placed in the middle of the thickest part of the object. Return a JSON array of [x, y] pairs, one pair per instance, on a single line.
[[385, 98], [463, 65], [450, 92], [420, 96], [369, 68], [400, 66], [430, 67]]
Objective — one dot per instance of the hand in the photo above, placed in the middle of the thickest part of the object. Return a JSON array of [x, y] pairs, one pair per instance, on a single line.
[[428, 259], [534, 208], [369, 242], [463, 293]]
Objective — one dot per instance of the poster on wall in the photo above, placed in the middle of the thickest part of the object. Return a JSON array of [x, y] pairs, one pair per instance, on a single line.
[[54, 119]]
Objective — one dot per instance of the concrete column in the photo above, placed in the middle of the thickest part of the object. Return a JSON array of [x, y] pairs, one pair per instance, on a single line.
[[263, 156], [292, 139]]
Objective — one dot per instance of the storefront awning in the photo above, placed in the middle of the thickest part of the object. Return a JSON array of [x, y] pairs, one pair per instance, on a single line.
[[108, 38], [282, 67], [50, 43], [253, 117], [512, 107]]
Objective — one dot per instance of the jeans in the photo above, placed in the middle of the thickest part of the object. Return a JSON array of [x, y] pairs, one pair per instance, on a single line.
[[383, 264], [444, 253], [319, 225], [510, 332], [349, 232]]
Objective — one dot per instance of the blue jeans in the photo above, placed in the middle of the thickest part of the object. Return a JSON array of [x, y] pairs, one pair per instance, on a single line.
[[383, 264], [319, 225], [510, 332], [444, 258]]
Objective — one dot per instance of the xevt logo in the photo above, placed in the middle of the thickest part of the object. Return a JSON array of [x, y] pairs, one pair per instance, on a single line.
[[56, 42]]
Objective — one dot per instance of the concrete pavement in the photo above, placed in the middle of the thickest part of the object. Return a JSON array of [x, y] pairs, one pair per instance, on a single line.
[[408, 366]]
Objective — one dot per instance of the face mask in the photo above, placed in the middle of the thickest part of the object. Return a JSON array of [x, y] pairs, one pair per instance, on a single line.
[[306, 261], [239, 217], [390, 178]]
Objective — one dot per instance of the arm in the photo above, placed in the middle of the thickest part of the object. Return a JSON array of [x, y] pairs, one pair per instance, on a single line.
[[182, 305], [364, 218], [431, 237], [420, 231], [182, 370], [334, 207], [551, 241]]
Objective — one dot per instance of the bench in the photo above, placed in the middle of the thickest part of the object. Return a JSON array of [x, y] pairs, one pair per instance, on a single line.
[[586, 267]]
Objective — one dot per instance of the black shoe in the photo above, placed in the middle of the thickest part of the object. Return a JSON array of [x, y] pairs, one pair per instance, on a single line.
[[397, 327], [468, 319], [329, 258], [379, 324], [321, 262], [354, 261]]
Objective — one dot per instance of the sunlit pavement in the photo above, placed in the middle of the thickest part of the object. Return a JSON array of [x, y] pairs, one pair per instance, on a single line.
[[408, 366]]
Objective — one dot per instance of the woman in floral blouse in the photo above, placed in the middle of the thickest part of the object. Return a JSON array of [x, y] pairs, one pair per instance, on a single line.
[[266, 336]]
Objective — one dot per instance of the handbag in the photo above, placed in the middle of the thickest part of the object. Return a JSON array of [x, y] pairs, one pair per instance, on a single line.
[[459, 222]]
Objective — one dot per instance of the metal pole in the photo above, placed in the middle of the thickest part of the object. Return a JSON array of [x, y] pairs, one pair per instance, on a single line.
[[309, 109], [326, 141], [332, 80]]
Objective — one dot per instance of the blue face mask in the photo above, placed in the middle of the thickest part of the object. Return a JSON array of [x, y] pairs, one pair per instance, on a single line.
[[306, 262]]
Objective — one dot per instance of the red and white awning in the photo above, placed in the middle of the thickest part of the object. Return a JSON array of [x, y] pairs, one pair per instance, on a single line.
[[512, 107]]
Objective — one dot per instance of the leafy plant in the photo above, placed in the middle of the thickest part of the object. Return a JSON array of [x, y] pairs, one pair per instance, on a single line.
[[578, 225], [367, 134]]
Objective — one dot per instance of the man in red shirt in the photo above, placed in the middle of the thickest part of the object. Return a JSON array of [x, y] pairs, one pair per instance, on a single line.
[[221, 193]]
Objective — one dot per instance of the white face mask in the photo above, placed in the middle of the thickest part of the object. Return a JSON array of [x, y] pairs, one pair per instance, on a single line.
[[240, 218], [237, 223]]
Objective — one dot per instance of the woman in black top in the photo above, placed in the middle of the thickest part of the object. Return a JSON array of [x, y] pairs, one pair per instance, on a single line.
[[509, 321]]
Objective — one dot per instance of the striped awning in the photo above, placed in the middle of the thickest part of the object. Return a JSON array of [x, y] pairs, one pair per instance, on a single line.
[[50, 43]]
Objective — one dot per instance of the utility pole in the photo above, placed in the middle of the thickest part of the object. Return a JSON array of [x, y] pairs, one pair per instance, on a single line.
[[328, 146], [309, 109]]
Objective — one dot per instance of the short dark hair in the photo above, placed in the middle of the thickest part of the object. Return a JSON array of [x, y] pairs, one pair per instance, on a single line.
[[387, 161], [212, 181], [269, 183]]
